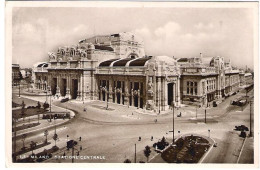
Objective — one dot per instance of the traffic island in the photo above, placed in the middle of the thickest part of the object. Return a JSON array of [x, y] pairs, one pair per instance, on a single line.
[[187, 149], [25, 126]]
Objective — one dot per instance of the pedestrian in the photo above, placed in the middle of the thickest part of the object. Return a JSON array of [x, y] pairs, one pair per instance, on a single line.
[[64, 154], [80, 138], [151, 138], [80, 148], [180, 114]]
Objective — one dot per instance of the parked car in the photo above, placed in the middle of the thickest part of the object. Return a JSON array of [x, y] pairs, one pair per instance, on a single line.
[[64, 100], [242, 102], [234, 102], [241, 128], [71, 143]]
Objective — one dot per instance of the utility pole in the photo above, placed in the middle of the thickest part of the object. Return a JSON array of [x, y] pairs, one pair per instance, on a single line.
[[14, 149], [205, 115], [19, 87], [135, 152], [159, 102], [196, 111], [72, 153], [46, 95], [172, 122], [250, 133], [50, 100]]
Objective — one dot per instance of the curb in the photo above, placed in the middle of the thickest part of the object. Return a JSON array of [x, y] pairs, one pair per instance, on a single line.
[[240, 153]]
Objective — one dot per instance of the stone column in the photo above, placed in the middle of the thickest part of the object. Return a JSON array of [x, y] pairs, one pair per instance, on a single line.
[[126, 93], [138, 93], [132, 95], [115, 94], [178, 91], [58, 87], [164, 96], [83, 87], [68, 88], [159, 91], [121, 98], [79, 89]]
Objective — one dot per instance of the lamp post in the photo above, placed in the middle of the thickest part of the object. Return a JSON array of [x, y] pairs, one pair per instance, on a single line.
[[46, 91], [250, 133], [19, 88], [205, 115], [159, 102], [50, 97], [135, 148], [172, 122], [135, 152], [196, 111]]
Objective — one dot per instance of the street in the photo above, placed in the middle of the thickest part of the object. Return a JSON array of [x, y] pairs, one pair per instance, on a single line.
[[113, 133]]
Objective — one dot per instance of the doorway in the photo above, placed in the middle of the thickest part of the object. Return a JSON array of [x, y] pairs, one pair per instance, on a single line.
[[170, 93], [74, 89]]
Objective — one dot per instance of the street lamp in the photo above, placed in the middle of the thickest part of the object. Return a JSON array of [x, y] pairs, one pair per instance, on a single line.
[[205, 115], [50, 97], [135, 148], [172, 122], [196, 111], [250, 133]]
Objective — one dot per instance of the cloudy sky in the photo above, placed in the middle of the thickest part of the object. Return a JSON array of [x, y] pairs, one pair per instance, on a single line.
[[179, 32]]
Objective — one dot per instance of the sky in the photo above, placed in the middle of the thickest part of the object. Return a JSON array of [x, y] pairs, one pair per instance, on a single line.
[[178, 32]]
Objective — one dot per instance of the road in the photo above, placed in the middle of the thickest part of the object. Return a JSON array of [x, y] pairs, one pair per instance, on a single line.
[[113, 133]]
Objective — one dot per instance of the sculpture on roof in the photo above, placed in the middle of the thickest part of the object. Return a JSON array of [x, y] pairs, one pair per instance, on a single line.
[[51, 55]]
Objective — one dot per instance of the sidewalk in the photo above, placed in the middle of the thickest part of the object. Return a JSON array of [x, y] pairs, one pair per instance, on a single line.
[[247, 155]]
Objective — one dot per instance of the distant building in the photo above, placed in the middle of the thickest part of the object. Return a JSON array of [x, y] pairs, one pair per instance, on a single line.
[[16, 74], [26, 72], [249, 79]]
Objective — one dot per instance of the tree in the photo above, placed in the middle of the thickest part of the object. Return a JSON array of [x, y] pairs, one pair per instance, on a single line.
[[23, 114], [46, 133], [147, 152], [55, 138], [45, 105], [23, 140], [38, 105], [32, 146], [127, 161], [23, 105]]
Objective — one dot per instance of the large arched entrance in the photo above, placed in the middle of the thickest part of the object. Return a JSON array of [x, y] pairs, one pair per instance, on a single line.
[[170, 93], [63, 87], [53, 86], [74, 89]]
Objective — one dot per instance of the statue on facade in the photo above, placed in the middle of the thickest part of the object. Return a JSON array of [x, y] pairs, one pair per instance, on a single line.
[[51, 56]]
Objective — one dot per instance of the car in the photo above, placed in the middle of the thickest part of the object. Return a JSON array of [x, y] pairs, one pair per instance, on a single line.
[[242, 102], [241, 128], [234, 102], [64, 100], [71, 143]]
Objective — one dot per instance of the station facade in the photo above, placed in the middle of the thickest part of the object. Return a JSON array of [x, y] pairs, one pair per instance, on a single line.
[[114, 68]]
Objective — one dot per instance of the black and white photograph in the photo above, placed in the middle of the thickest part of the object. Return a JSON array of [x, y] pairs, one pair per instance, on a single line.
[[132, 82]]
